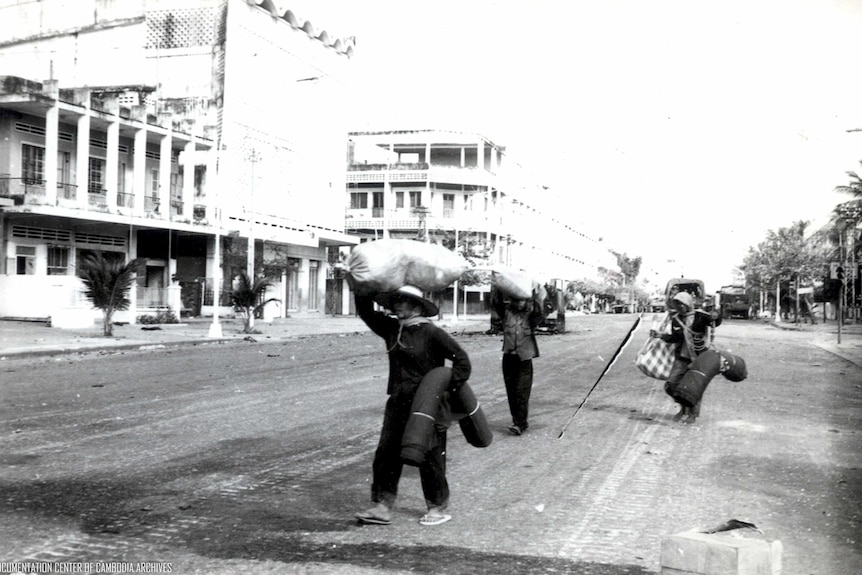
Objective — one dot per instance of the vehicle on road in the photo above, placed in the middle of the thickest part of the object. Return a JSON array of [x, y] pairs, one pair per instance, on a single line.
[[693, 286], [734, 301]]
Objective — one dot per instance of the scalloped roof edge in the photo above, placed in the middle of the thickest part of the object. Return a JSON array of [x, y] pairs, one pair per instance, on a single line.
[[344, 46]]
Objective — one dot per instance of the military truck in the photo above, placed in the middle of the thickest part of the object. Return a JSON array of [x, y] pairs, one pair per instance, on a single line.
[[734, 301], [694, 287]]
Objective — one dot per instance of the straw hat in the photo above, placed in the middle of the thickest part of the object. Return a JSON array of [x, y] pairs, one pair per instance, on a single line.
[[407, 293]]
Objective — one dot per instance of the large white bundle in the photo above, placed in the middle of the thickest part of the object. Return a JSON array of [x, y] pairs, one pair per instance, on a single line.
[[513, 283], [386, 265]]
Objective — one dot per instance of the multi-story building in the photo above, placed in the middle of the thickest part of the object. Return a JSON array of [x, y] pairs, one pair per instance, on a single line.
[[462, 190], [202, 136]]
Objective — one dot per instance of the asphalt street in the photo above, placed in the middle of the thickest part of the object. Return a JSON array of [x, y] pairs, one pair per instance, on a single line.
[[251, 455]]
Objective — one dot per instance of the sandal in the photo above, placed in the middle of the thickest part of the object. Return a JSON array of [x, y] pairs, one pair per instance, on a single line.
[[372, 517], [434, 518]]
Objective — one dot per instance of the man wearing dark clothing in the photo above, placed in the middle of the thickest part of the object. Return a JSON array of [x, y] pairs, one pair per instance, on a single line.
[[415, 346], [520, 317]]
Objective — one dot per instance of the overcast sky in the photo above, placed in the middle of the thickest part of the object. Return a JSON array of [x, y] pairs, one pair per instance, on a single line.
[[679, 129]]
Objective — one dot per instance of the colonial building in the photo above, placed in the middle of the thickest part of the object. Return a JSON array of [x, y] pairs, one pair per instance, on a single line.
[[203, 136], [461, 189]]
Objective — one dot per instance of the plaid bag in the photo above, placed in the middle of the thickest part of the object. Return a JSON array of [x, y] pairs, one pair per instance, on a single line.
[[655, 359]]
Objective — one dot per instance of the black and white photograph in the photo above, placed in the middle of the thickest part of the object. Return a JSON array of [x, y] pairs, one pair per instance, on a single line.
[[477, 287]]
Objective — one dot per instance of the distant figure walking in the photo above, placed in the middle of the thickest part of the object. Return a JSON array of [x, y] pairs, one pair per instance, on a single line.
[[520, 317]]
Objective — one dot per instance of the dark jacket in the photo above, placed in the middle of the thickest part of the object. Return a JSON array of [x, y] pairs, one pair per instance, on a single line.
[[519, 326], [414, 350], [698, 337]]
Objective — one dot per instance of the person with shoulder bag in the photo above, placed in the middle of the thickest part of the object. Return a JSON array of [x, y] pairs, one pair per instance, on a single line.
[[691, 333]]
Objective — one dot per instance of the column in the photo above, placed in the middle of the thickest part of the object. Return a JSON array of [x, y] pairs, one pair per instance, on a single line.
[[112, 169], [387, 190], [133, 253], [52, 132], [188, 194], [480, 155], [165, 152], [139, 175], [211, 195], [428, 154], [82, 155]]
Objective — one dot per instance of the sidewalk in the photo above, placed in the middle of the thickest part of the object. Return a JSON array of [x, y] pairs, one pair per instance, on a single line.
[[28, 338], [825, 336]]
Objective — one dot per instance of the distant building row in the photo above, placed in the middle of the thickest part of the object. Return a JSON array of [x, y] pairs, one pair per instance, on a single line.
[[204, 136]]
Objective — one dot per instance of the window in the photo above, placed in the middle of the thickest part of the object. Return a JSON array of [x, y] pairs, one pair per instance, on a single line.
[[358, 200], [313, 299], [377, 199], [58, 260], [448, 201], [32, 164], [154, 184], [25, 260], [399, 199], [96, 182], [415, 199]]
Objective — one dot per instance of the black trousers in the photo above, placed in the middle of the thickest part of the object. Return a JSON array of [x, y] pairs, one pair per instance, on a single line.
[[518, 377], [387, 464]]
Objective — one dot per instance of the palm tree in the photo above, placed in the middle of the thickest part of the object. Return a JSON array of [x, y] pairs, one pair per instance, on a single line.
[[248, 298], [107, 282], [854, 188]]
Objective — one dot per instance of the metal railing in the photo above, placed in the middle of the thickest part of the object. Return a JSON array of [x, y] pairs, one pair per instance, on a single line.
[[151, 297]]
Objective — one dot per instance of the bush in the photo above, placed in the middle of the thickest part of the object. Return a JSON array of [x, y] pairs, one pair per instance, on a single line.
[[163, 316]]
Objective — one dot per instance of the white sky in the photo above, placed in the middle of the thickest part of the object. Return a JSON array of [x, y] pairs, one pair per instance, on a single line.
[[679, 129]]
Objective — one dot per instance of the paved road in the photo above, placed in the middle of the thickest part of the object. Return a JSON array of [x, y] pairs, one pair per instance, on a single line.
[[252, 456]]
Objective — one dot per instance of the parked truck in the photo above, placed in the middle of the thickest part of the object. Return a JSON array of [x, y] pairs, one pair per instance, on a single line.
[[734, 301]]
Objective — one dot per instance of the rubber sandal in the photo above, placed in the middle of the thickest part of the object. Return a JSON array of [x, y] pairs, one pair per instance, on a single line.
[[371, 518], [434, 518]]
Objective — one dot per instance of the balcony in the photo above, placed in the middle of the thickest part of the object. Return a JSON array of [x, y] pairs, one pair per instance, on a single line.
[[22, 190]]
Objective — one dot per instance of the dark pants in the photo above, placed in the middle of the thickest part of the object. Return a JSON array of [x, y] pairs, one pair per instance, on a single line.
[[680, 366], [387, 459], [518, 377]]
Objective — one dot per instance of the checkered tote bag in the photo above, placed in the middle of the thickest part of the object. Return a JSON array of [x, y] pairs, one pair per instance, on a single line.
[[655, 359]]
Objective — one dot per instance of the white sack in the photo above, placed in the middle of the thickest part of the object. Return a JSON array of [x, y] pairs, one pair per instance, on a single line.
[[513, 283], [386, 265]]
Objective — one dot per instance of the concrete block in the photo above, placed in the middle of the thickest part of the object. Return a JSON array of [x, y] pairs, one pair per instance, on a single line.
[[725, 553]]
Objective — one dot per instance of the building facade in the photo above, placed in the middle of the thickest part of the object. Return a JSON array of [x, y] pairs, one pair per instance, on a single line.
[[460, 189], [181, 133]]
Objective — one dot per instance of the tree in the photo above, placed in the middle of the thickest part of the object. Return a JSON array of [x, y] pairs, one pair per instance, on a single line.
[[630, 267], [107, 281], [854, 188], [783, 256], [248, 298]]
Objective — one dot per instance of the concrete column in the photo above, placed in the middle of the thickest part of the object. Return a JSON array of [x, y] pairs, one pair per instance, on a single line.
[[428, 153], [133, 253], [188, 196], [52, 132], [112, 169], [480, 155], [463, 157], [211, 190], [139, 174], [387, 191], [165, 150], [82, 159]]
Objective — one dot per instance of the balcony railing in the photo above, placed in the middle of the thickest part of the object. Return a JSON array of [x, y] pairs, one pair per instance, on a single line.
[[151, 297], [125, 200], [151, 204], [176, 207], [97, 197], [67, 191]]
